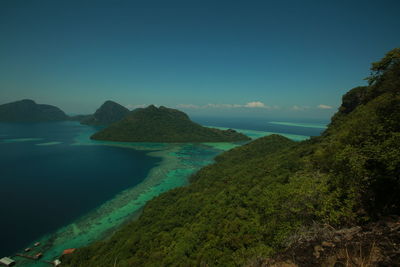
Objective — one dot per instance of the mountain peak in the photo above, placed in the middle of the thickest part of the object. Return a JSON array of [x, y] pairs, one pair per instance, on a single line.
[[30, 101], [108, 113], [150, 107], [110, 102]]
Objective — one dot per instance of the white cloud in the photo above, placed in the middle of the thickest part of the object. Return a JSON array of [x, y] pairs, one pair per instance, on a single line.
[[210, 105], [298, 108], [255, 104], [295, 107], [322, 106], [136, 106], [187, 106]]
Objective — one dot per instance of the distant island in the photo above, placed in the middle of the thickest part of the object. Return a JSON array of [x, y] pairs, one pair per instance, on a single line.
[[106, 114], [164, 125], [28, 111]]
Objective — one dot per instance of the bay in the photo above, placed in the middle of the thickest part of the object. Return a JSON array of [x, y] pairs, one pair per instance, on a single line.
[[47, 183]]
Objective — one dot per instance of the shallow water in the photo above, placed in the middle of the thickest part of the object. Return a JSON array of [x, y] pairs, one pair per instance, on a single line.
[[300, 124]]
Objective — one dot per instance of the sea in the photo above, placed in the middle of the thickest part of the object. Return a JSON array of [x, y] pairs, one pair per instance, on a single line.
[[63, 190]]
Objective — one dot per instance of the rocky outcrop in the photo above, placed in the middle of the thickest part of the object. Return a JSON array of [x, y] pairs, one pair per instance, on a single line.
[[375, 244]]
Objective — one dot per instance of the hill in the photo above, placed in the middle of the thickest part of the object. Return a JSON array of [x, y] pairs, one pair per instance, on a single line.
[[106, 114], [256, 198], [28, 111], [163, 125]]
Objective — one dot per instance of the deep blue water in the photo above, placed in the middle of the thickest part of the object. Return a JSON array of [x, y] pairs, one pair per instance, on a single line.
[[43, 188]]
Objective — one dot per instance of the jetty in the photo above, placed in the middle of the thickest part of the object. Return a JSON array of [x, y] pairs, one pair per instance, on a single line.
[[37, 257], [6, 261], [31, 257]]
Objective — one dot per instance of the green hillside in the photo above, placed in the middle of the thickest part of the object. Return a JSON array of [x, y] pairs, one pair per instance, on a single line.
[[164, 125], [254, 197]]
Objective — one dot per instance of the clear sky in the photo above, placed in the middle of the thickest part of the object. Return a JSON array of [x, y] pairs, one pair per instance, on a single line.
[[230, 58]]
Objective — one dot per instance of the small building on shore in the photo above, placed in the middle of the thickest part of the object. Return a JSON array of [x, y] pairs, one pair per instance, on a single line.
[[39, 255], [7, 261]]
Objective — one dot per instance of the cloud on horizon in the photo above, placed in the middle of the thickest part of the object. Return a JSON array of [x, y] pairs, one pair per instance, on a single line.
[[248, 105], [253, 104], [322, 106], [136, 106], [302, 108], [297, 108]]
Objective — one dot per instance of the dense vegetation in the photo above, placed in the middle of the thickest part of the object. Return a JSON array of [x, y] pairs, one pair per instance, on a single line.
[[106, 114], [254, 197], [165, 125], [28, 111]]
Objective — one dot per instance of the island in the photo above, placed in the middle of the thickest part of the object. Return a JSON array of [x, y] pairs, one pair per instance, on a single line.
[[164, 125], [106, 114], [28, 111]]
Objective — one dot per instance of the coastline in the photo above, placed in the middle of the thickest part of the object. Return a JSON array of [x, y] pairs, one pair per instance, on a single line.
[[173, 171], [254, 134], [178, 162]]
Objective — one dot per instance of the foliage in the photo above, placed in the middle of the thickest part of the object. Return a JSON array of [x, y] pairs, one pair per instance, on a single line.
[[361, 148], [247, 203], [165, 125]]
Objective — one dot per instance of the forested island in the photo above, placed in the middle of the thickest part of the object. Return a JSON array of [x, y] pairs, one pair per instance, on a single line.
[[164, 125], [108, 113], [28, 111], [264, 197]]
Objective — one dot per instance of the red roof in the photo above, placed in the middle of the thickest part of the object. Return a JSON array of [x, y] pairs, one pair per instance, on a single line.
[[69, 251]]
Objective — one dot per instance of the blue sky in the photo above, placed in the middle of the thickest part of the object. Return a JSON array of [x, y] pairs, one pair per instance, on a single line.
[[228, 58]]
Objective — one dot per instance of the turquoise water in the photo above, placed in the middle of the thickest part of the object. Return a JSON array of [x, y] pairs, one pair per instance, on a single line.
[[289, 127], [171, 166], [300, 124]]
